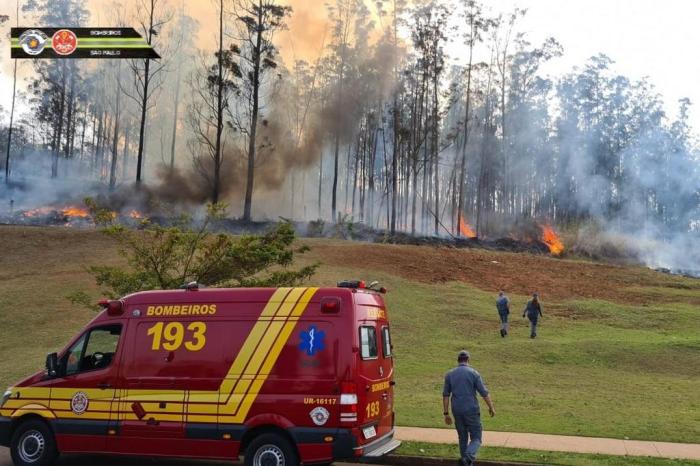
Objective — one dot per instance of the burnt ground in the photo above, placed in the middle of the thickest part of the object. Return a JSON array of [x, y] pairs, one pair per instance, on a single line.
[[522, 273], [519, 273]]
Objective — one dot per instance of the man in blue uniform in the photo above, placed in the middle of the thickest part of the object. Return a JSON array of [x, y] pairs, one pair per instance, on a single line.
[[533, 309], [503, 308], [461, 387]]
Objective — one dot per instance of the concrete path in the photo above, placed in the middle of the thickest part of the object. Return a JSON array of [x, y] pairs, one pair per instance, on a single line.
[[563, 443]]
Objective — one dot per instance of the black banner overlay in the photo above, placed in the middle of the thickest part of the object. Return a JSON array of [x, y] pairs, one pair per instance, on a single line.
[[101, 42]]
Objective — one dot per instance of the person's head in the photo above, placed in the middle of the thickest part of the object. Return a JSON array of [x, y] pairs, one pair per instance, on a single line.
[[535, 297], [463, 357], [501, 293]]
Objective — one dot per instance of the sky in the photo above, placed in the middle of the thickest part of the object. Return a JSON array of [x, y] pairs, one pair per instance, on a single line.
[[650, 38], [643, 37]]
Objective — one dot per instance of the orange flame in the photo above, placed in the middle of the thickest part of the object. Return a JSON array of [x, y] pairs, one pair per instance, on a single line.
[[465, 230], [135, 214], [73, 211], [552, 240]]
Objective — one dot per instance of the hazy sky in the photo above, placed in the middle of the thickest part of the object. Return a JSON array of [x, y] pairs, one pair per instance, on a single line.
[[651, 38]]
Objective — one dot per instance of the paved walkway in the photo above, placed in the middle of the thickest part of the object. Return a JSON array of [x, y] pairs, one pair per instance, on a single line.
[[565, 443]]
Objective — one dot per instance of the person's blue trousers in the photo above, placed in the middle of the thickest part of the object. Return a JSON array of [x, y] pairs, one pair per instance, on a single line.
[[504, 320], [469, 432], [533, 328]]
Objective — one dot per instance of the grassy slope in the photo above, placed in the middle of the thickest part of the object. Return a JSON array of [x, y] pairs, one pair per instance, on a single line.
[[601, 367]]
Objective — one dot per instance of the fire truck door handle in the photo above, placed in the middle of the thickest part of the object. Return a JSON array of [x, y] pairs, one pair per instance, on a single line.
[[152, 422], [104, 386]]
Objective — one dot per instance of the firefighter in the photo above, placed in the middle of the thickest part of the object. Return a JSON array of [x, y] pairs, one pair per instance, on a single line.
[[461, 387], [503, 308], [533, 309]]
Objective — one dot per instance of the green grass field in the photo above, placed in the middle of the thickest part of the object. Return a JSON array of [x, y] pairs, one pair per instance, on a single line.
[[550, 458], [604, 365]]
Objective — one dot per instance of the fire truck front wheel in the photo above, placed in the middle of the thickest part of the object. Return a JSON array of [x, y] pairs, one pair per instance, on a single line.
[[33, 444], [271, 450]]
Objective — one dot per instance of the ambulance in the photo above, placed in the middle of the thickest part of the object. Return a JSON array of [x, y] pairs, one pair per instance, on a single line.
[[281, 376]]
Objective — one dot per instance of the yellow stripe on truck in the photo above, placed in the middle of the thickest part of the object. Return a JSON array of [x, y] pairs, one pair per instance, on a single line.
[[251, 342], [275, 352], [239, 406]]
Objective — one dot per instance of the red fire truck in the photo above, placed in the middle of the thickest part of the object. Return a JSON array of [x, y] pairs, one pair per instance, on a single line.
[[281, 376]]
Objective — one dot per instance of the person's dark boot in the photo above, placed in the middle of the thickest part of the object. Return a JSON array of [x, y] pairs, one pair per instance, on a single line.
[[463, 462], [503, 333]]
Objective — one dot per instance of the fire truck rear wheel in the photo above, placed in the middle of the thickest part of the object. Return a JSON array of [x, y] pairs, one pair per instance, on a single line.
[[271, 450], [33, 444]]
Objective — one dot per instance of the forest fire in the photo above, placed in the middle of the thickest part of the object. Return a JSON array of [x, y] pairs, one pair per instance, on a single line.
[[465, 229], [73, 211], [552, 240], [136, 215], [68, 211]]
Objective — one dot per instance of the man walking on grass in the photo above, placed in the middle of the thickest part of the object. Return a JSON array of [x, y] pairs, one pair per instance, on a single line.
[[461, 387], [503, 308], [533, 309]]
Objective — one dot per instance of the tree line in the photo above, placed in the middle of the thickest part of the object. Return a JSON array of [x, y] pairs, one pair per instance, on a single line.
[[384, 127]]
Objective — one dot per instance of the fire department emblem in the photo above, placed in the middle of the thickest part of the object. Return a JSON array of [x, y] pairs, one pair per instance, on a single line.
[[64, 42], [79, 403], [319, 415], [33, 41]]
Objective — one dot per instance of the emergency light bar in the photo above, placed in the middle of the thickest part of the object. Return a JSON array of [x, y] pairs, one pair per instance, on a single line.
[[360, 284], [351, 284], [114, 307]]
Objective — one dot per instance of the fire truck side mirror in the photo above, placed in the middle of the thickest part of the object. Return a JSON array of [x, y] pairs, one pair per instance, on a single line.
[[52, 364]]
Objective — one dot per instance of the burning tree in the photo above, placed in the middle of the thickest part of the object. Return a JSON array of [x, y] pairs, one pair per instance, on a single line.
[[168, 257]]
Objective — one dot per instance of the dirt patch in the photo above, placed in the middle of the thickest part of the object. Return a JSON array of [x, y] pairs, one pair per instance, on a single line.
[[26, 248], [557, 279]]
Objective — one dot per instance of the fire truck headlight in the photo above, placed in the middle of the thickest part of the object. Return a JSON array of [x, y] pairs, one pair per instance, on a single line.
[[6, 396]]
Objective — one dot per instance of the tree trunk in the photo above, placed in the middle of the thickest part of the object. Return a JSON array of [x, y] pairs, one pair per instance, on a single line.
[[335, 175], [394, 154], [59, 122], [175, 114], [465, 141], [70, 123], [115, 137], [320, 183], [125, 152], [219, 112], [82, 140], [9, 130], [436, 154], [253, 119], [144, 101]]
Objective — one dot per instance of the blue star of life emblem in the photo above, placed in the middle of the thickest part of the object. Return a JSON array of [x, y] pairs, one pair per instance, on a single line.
[[312, 341]]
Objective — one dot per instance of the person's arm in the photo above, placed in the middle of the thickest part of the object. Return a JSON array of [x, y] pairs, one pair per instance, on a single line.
[[539, 307], [446, 409], [524, 310], [492, 410], [483, 391], [446, 392]]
